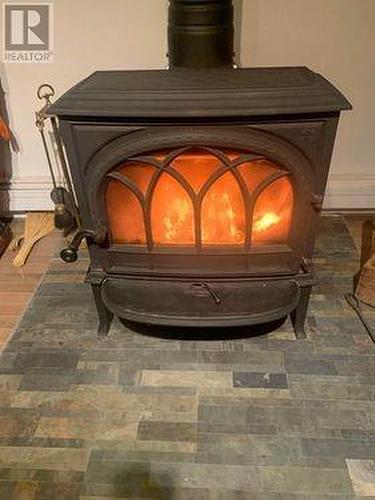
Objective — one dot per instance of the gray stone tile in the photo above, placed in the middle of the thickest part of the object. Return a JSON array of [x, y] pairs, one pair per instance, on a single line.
[[185, 378], [253, 358], [116, 491], [50, 476], [219, 414], [249, 444], [235, 428], [206, 476], [129, 377], [166, 431], [309, 365], [274, 415], [363, 366], [358, 434], [49, 359], [321, 389], [141, 358], [336, 417], [124, 472], [291, 346], [120, 455], [43, 458], [261, 380], [243, 495], [41, 382], [43, 442], [233, 458], [344, 448], [305, 480], [64, 289], [18, 426]]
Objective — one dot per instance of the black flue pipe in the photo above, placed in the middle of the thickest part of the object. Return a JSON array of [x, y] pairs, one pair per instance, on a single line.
[[200, 33]]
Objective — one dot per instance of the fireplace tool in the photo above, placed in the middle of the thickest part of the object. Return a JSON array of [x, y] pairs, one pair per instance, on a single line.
[[66, 216], [62, 195]]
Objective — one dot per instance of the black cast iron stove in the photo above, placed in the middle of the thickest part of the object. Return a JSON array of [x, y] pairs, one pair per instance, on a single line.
[[199, 187]]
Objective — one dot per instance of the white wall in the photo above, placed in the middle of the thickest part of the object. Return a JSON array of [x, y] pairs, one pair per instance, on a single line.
[[333, 37], [89, 35], [337, 39]]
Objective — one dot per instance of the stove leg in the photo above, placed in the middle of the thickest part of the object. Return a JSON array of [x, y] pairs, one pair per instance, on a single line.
[[105, 316], [298, 316]]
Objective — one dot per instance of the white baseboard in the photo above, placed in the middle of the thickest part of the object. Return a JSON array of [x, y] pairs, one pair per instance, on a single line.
[[343, 192], [30, 194], [350, 192]]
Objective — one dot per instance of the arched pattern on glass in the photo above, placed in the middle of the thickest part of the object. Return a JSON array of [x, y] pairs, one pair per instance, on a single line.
[[139, 175], [172, 213], [273, 213], [200, 197], [223, 213], [125, 213]]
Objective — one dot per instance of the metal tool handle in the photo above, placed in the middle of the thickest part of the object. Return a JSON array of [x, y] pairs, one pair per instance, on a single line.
[[46, 92]]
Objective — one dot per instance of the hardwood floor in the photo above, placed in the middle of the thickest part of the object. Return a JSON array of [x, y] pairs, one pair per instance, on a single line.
[[17, 286]]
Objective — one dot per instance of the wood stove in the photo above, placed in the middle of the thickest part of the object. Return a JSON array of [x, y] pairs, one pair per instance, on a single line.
[[200, 187]]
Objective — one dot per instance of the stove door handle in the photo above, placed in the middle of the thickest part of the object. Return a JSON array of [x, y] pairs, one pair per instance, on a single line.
[[70, 254], [211, 291]]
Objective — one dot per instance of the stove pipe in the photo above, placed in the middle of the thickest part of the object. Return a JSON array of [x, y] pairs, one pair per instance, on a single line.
[[200, 33]]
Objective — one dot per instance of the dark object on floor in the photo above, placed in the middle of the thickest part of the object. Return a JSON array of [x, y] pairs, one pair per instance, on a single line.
[[365, 290], [5, 232], [363, 298], [360, 309], [5, 235], [365, 279], [207, 334]]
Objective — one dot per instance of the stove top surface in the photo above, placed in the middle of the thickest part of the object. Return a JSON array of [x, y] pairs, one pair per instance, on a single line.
[[208, 93]]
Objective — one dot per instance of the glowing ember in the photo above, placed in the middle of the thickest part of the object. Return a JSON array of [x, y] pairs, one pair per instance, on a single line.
[[266, 221]]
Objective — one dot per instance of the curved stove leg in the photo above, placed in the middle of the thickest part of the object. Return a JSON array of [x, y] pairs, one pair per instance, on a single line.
[[105, 316], [298, 316]]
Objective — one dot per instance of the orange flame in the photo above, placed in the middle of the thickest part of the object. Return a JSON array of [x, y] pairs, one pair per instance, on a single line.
[[266, 221], [177, 215], [223, 212]]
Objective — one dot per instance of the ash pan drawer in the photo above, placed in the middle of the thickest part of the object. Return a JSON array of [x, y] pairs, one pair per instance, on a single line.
[[200, 302]]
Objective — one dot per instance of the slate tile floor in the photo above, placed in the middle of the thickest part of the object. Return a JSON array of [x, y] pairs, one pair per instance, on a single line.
[[260, 418]]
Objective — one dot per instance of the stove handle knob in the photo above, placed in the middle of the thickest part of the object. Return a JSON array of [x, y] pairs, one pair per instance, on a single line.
[[70, 254]]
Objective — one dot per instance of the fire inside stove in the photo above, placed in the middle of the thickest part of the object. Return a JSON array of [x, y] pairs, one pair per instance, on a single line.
[[203, 197]]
